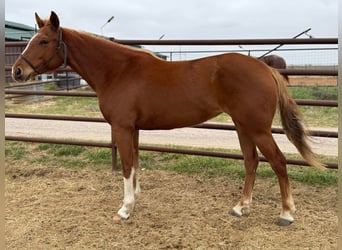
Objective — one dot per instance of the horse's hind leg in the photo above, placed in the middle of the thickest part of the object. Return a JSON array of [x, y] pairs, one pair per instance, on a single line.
[[270, 150], [251, 160]]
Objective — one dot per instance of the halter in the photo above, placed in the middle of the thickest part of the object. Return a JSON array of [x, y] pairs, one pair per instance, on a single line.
[[39, 70]]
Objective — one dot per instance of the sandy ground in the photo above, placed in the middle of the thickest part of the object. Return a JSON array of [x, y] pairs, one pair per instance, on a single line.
[[313, 80], [56, 208]]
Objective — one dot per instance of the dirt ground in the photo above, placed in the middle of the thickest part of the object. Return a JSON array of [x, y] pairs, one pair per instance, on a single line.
[[58, 208], [313, 80]]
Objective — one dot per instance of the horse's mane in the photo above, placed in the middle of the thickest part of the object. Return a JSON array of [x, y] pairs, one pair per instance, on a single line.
[[102, 39]]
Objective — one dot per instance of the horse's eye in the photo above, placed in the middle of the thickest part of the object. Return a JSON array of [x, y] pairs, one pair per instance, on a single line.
[[43, 42]]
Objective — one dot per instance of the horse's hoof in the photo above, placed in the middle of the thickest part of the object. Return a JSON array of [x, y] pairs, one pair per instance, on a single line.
[[283, 222], [118, 218], [235, 213]]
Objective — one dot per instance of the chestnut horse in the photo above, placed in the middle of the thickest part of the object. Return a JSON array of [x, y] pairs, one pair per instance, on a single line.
[[137, 90]]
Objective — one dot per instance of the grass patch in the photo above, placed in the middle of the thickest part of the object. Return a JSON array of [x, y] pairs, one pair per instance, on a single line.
[[313, 176], [17, 151], [314, 92], [207, 166], [61, 150], [215, 167], [73, 106], [99, 156], [320, 116], [100, 159]]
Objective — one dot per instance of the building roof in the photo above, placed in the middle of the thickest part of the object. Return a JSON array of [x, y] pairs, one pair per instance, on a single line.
[[17, 31]]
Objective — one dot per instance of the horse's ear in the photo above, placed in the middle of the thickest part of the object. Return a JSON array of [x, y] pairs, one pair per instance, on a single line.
[[54, 20], [39, 21]]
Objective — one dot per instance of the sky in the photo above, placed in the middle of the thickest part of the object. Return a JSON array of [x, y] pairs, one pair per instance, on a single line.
[[186, 19]]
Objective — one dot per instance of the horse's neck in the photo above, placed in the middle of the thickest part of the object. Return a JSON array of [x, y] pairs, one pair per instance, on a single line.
[[92, 58]]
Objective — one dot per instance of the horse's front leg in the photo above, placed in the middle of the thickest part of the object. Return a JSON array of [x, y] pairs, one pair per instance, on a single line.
[[125, 140]]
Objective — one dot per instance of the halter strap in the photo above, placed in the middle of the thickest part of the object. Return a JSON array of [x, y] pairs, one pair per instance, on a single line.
[[29, 63], [38, 70]]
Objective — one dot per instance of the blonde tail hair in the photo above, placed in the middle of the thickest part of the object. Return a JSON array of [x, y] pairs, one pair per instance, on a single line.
[[291, 120]]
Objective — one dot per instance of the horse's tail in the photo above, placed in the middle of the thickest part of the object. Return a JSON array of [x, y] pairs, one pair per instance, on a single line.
[[291, 119]]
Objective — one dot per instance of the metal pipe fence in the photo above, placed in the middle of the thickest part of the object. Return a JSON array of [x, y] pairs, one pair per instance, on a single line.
[[318, 133]]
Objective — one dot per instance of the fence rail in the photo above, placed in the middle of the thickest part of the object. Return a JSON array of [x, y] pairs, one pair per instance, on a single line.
[[204, 125], [214, 42]]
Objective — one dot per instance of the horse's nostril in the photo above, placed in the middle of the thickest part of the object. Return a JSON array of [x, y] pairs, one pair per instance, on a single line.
[[18, 72]]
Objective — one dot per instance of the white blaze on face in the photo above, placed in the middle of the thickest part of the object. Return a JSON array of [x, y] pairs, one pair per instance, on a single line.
[[129, 200], [28, 44]]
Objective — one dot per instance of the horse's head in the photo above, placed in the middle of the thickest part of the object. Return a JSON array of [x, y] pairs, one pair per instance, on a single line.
[[45, 52]]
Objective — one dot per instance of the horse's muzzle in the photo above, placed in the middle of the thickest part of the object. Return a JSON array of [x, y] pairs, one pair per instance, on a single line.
[[18, 74]]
